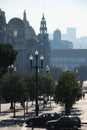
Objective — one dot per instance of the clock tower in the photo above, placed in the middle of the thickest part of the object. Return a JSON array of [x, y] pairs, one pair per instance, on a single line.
[[44, 41]]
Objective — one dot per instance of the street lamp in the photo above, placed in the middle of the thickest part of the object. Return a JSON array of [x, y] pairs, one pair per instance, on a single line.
[[47, 69], [48, 72], [36, 67], [12, 69]]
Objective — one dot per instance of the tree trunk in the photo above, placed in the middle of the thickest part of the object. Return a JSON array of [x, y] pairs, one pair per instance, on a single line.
[[0, 106], [67, 109], [11, 107]]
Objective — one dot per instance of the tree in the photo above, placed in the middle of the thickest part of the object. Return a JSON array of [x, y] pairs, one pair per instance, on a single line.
[[14, 87], [68, 90], [46, 85], [31, 88], [7, 57]]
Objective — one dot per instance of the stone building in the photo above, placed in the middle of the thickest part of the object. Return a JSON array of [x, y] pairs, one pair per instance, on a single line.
[[2, 27], [70, 59], [57, 43], [22, 36]]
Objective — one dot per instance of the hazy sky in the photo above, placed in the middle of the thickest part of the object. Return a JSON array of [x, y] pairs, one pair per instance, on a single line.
[[59, 14]]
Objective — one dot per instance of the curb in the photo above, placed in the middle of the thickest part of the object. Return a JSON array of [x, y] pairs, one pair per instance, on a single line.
[[84, 122]]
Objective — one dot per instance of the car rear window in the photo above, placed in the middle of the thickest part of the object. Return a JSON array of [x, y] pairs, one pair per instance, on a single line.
[[74, 118]]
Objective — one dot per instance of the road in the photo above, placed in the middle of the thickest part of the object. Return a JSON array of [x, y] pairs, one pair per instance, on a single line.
[[7, 122]]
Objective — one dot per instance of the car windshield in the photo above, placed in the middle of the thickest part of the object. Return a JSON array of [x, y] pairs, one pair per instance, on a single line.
[[42, 115], [74, 118], [47, 115]]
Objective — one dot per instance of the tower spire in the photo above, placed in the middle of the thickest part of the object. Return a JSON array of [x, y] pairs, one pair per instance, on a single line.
[[25, 19], [43, 28], [24, 15]]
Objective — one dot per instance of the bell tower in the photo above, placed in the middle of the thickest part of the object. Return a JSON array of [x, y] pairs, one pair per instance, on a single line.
[[43, 30], [44, 42]]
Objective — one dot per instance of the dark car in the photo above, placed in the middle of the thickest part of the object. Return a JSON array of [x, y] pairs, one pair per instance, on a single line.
[[40, 121], [64, 122]]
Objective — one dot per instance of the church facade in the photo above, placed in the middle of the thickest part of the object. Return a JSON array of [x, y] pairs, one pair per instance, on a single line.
[[22, 36]]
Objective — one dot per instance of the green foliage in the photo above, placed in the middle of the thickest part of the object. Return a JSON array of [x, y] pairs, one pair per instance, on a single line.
[[68, 90], [46, 85], [7, 57], [14, 87], [28, 84], [1, 85]]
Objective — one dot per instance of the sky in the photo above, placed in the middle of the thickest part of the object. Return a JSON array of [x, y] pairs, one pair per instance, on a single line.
[[59, 14]]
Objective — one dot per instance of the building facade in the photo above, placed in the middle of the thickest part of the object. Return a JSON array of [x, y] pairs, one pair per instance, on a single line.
[[22, 36], [68, 59], [2, 27], [58, 43], [71, 36]]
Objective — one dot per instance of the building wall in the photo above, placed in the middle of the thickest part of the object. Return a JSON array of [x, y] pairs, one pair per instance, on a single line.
[[71, 36], [22, 36], [62, 58], [57, 43], [69, 59], [2, 27]]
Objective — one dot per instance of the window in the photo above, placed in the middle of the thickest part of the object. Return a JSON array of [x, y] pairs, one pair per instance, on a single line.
[[15, 33]]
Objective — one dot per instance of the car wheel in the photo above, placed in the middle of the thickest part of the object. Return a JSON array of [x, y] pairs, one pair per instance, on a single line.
[[31, 123], [75, 127], [52, 127]]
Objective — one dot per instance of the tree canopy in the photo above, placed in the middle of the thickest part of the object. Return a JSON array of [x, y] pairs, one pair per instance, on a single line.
[[68, 90], [15, 87], [46, 85], [7, 57]]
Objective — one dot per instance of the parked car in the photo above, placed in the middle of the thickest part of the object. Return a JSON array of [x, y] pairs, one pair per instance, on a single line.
[[64, 122], [40, 121]]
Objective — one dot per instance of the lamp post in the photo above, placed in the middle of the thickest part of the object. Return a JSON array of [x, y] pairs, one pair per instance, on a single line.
[[47, 69], [11, 70], [36, 67], [48, 72], [14, 99]]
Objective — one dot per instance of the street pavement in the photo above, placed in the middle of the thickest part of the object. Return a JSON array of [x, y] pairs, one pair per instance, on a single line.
[[7, 122]]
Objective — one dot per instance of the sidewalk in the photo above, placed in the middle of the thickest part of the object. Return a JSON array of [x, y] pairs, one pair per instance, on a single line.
[[79, 109], [7, 115]]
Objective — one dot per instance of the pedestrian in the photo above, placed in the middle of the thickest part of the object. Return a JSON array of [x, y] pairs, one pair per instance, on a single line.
[[83, 95], [32, 128]]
